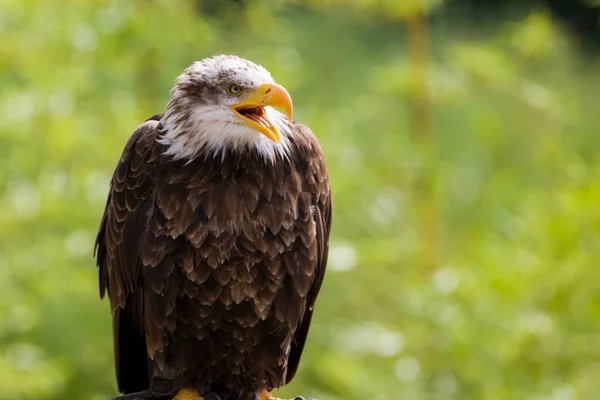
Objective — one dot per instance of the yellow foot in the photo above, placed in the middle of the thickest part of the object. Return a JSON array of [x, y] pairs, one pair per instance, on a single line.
[[188, 394], [266, 395]]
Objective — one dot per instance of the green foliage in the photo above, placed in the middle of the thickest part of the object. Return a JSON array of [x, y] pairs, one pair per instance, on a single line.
[[511, 310]]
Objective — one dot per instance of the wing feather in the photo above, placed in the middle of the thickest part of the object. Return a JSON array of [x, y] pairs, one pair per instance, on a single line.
[[314, 170], [117, 253]]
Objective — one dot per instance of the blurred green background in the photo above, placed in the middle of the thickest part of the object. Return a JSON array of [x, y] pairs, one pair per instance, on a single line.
[[464, 158]]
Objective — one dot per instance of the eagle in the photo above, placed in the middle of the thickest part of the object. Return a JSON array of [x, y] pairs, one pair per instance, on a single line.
[[213, 244]]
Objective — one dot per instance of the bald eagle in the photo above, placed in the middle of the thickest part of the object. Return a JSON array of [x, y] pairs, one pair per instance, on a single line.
[[214, 239]]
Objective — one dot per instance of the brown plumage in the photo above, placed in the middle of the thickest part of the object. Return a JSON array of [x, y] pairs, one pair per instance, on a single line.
[[212, 262]]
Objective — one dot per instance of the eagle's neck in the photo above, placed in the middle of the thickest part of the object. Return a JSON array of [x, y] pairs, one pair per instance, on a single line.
[[212, 131]]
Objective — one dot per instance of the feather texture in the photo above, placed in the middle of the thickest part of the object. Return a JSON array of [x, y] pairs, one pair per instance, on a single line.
[[213, 265]]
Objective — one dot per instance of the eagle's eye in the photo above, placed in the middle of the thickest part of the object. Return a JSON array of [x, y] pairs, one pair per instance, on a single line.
[[235, 90]]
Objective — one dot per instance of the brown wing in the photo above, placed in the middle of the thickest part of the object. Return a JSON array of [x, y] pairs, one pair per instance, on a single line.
[[312, 163], [117, 248]]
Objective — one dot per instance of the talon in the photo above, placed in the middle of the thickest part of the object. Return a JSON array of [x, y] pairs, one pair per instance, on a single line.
[[167, 396]]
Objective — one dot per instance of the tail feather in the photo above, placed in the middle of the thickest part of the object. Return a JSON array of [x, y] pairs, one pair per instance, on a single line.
[[131, 356]]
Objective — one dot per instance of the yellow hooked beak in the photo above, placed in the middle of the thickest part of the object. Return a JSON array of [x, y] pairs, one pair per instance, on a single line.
[[252, 109]]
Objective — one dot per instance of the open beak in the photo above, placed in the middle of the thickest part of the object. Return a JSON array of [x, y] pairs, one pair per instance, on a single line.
[[252, 109]]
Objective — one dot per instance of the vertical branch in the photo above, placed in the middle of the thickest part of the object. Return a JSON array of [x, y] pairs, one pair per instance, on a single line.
[[420, 122]]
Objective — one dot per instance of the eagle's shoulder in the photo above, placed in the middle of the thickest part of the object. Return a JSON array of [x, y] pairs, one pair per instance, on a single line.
[[311, 160], [304, 136]]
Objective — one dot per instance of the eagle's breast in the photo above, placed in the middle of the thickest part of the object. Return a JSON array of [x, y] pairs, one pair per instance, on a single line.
[[231, 254]]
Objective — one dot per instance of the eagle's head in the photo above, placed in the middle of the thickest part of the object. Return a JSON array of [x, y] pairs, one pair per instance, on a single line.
[[226, 103]]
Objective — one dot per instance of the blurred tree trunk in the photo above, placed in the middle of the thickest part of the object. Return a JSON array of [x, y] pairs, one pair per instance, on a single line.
[[420, 120]]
